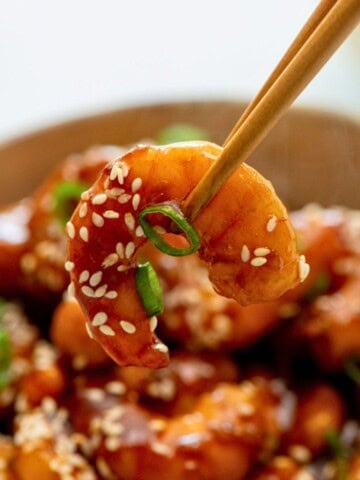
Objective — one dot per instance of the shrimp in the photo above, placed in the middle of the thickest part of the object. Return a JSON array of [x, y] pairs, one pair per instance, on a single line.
[[45, 447], [283, 468], [250, 249], [222, 435], [32, 238]]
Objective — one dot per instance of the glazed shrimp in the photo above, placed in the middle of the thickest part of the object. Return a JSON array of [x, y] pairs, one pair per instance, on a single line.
[[250, 249], [221, 436]]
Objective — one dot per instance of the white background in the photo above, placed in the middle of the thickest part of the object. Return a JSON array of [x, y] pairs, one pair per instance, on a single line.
[[60, 59]]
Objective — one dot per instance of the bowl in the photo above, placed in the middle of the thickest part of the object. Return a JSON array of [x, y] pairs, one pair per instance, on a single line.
[[310, 156]]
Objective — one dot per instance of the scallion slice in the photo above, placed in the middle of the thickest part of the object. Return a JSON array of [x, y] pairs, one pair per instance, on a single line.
[[66, 195], [178, 218], [352, 369], [149, 289], [180, 132], [5, 358], [340, 452]]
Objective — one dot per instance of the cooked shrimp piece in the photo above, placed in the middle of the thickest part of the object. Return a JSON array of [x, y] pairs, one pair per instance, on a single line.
[[283, 468], [198, 318], [68, 334], [32, 237], [222, 436], [320, 409], [14, 237], [330, 327], [45, 447], [354, 469], [250, 249]]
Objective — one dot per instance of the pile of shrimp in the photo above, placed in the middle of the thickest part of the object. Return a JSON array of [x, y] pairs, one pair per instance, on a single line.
[[249, 372]]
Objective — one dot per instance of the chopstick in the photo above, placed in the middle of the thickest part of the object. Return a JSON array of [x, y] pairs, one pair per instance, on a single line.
[[310, 26], [324, 32]]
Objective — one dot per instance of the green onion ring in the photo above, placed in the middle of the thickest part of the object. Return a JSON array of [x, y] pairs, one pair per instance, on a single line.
[[352, 369], [63, 193], [178, 218], [149, 289], [5, 358]]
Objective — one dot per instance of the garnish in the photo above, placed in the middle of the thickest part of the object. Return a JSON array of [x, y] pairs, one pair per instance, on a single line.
[[180, 132], [319, 287], [149, 289], [5, 350], [352, 369], [66, 196], [340, 452], [178, 218]]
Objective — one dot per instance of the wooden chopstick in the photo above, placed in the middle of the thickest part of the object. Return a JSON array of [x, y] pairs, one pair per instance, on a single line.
[[310, 26], [339, 20]]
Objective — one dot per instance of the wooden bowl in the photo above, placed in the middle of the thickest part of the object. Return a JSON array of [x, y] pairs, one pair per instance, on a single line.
[[310, 156]]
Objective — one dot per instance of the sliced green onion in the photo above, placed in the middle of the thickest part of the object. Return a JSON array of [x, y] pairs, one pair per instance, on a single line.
[[319, 287], [149, 289], [5, 359], [66, 196], [352, 369], [180, 132], [178, 218], [340, 452]]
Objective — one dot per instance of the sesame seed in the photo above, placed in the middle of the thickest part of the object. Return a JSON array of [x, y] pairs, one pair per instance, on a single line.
[[129, 220], [129, 249], [95, 394], [122, 268], [83, 210], [120, 176], [110, 260], [70, 229], [161, 347], [139, 232], [245, 253], [111, 294], [84, 233], [113, 173], [97, 220], [87, 291], [88, 330], [153, 323], [258, 261], [120, 249], [157, 424], [28, 263], [304, 268], [125, 197], [71, 289], [159, 229], [84, 276], [69, 266], [111, 214], [103, 468], [99, 319], [79, 362], [85, 196], [161, 448], [99, 199], [300, 453], [106, 330], [271, 224], [261, 251], [95, 278], [116, 192], [136, 184], [125, 169], [128, 327], [100, 292], [135, 201], [112, 443], [115, 388]]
